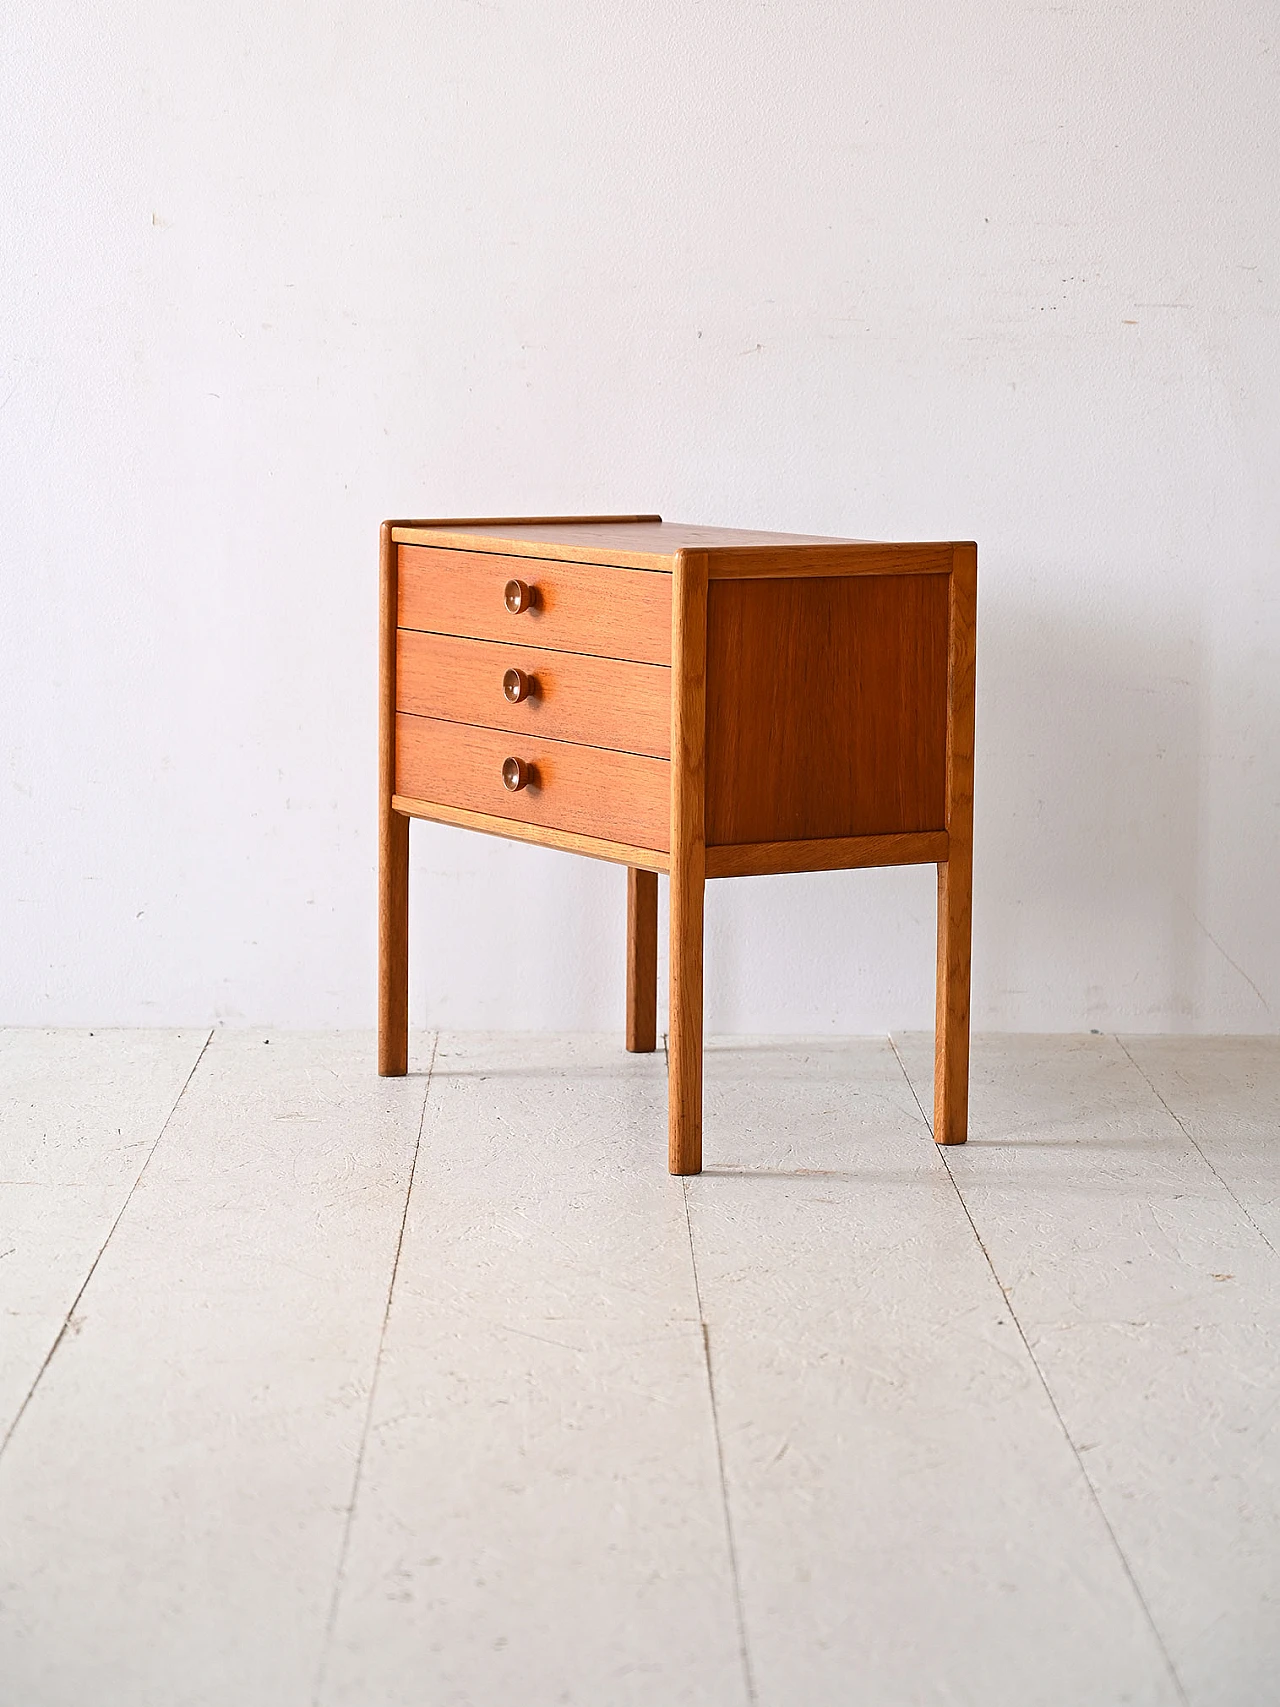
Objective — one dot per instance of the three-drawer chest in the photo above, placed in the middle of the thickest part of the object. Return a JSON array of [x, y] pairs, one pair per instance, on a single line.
[[704, 702]]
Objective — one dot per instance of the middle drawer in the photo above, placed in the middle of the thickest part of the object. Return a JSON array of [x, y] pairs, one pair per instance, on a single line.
[[567, 696]]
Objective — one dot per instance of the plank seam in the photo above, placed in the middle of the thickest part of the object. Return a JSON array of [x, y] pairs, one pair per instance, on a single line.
[[357, 1476], [1125, 1566], [1173, 1115], [71, 1310], [744, 1652]]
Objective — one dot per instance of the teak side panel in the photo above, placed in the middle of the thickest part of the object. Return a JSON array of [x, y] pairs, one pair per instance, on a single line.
[[826, 707], [601, 702], [615, 797], [578, 607]]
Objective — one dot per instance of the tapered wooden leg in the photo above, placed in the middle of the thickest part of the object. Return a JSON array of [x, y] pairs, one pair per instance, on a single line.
[[955, 878], [642, 961], [951, 1036], [393, 945], [684, 1042], [688, 859], [393, 838]]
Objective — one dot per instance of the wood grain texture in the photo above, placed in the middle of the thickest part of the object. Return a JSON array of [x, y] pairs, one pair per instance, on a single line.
[[688, 860], [646, 542], [642, 961], [618, 797], [592, 608], [393, 841], [854, 557], [955, 877], [849, 853], [435, 525], [602, 702], [826, 707], [539, 835]]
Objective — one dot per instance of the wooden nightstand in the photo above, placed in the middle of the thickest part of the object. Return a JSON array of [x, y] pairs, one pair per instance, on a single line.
[[702, 701]]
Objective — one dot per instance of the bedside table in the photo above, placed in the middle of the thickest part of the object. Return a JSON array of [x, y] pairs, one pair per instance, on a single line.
[[707, 702]]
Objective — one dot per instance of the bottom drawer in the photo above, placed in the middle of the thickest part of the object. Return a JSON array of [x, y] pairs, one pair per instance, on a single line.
[[590, 791]]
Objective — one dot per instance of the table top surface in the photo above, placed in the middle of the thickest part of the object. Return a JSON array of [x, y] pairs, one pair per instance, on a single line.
[[644, 541]]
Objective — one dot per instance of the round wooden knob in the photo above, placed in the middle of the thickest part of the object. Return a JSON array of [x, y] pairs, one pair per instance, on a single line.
[[517, 686], [515, 774], [517, 596]]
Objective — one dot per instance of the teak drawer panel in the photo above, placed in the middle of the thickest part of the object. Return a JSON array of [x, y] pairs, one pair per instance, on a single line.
[[618, 797], [579, 607], [603, 702], [826, 707]]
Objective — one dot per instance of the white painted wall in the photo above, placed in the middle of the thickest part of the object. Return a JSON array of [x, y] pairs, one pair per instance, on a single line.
[[272, 272]]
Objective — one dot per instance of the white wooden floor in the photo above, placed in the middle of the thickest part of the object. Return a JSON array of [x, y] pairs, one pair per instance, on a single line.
[[316, 1388]]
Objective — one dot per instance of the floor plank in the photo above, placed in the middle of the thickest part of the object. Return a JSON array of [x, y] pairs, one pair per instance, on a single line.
[[540, 1515], [539, 1518], [81, 1111], [1151, 1304], [173, 1501], [1225, 1092], [910, 1524]]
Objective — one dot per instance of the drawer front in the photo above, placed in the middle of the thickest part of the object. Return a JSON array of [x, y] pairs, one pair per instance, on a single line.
[[619, 797], [602, 702], [576, 607]]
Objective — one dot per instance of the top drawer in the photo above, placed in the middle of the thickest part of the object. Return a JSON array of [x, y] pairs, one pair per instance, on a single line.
[[569, 607]]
